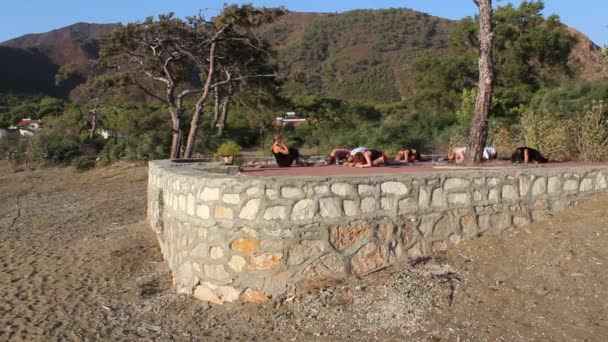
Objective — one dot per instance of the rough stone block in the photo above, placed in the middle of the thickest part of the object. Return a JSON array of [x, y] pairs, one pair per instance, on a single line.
[[525, 182], [416, 251], [322, 189], [468, 223], [351, 208], [272, 194], [571, 185], [304, 251], [459, 199], [343, 189], [369, 205], [395, 188], [424, 199], [456, 183], [250, 210], [368, 258], [237, 263], [254, 192], [231, 198], [210, 194], [520, 221], [223, 213], [439, 246], [245, 245], [600, 182], [205, 294], [200, 251], [265, 261], [387, 203], [540, 215], [216, 253], [345, 237], [190, 204], [291, 192], [229, 294], [587, 185], [409, 235], [509, 193], [366, 190], [251, 296], [216, 272], [202, 211], [328, 266], [275, 213], [408, 205], [330, 207], [303, 210], [554, 185], [438, 201], [539, 187], [181, 200]]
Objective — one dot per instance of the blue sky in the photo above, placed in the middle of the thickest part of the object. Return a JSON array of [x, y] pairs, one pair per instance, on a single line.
[[20, 17]]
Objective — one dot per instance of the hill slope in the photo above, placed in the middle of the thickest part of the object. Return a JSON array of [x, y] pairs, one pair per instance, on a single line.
[[363, 54]]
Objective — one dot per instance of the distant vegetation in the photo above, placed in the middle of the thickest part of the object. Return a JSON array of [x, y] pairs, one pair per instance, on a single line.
[[352, 97]]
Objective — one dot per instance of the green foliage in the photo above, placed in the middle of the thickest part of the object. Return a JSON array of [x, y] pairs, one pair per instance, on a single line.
[[326, 59], [83, 163], [568, 100], [548, 133], [229, 149], [530, 52], [52, 148], [147, 146], [14, 107], [467, 107], [592, 132]]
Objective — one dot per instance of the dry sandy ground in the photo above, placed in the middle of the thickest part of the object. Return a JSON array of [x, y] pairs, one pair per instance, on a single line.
[[77, 262]]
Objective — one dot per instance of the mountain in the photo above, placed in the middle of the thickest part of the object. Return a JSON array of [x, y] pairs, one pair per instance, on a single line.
[[362, 54], [29, 63]]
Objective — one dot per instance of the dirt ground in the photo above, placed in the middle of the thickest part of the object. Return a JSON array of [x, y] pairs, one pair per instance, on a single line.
[[78, 262]]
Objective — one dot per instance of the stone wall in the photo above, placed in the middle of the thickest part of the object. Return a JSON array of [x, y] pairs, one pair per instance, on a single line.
[[230, 237]]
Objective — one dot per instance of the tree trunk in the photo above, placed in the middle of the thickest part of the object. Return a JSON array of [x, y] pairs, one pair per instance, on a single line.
[[176, 128], [221, 128], [479, 123], [94, 112], [200, 104], [216, 108]]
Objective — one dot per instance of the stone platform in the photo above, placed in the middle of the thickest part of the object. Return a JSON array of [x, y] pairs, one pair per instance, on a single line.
[[255, 234]]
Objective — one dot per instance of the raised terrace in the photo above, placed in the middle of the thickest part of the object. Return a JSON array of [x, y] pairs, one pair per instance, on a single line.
[[230, 235]]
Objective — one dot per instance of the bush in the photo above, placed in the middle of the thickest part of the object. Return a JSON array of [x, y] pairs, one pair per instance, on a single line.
[[549, 134], [229, 148], [592, 133], [52, 148], [83, 163]]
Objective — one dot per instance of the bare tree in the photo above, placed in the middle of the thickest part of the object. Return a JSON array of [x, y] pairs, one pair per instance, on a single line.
[[479, 123], [228, 51], [152, 55]]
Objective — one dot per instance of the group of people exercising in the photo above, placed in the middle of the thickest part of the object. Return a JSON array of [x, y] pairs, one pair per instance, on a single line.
[[364, 157]]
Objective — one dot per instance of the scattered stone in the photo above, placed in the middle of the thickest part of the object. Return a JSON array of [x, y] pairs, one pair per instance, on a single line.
[[369, 204], [223, 213], [291, 192], [343, 189], [205, 294], [275, 213], [251, 296], [228, 294], [395, 188], [210, 194], [216, 253], [231, 198], [328, 266], [202, 211], [330, 207], [351, 208], [303, 210], [456, 183]]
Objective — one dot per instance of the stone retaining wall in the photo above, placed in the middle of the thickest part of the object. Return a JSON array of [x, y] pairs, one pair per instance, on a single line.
[[229, 237]]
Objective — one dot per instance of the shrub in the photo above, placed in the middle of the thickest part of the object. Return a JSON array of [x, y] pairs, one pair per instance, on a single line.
[[229, 148], [83, 163], [548, 133], [54, 148], [592, 133]]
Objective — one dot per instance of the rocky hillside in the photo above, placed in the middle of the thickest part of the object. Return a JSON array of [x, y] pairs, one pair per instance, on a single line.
[[29, 63], [362, 54]]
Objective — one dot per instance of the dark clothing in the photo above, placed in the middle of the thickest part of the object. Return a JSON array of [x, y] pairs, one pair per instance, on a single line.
[[375, 154], [285, 160], [533, 156]]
